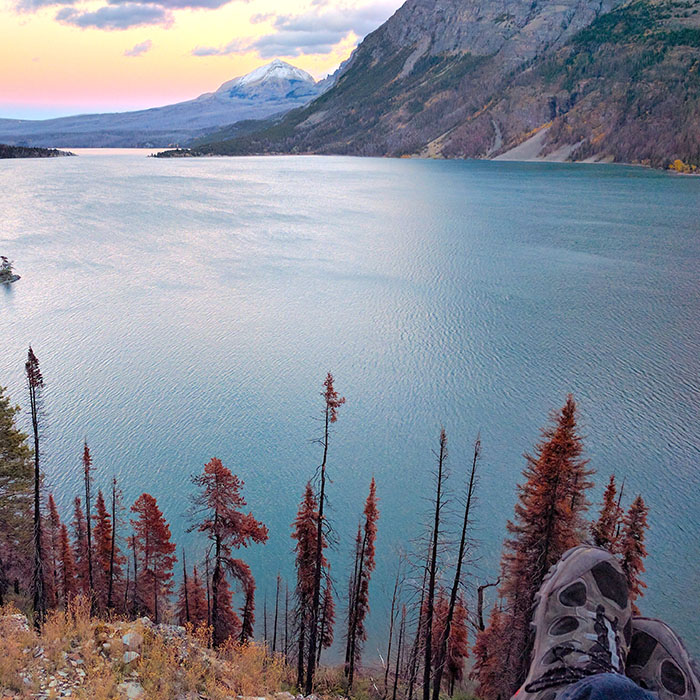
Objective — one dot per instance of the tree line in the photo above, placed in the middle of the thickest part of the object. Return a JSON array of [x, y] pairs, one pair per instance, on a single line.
[[123, 560]]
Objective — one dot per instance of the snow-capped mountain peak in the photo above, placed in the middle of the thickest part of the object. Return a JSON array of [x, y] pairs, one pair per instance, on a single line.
[[271, 89], [277, 69], [277, 76]]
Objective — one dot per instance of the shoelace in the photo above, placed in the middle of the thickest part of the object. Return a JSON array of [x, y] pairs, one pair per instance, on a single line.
[[602, 657]]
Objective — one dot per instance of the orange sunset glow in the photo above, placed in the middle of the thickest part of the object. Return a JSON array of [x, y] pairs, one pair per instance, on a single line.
[[59, 58]]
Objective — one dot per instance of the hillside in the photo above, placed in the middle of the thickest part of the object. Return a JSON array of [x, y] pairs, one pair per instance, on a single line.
[[80, 656], [576, 80], [271, 89]]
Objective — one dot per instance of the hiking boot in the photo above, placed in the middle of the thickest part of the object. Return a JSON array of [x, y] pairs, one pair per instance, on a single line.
[[582, 622], [658, 661]]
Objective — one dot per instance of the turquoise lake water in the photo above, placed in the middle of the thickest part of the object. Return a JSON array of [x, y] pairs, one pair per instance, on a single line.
[[185, 309]]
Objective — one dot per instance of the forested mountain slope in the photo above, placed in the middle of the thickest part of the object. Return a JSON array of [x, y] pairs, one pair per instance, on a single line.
[[575, 80]]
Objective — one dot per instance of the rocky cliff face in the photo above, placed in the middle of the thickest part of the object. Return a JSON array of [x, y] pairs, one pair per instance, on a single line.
[[571, 79]]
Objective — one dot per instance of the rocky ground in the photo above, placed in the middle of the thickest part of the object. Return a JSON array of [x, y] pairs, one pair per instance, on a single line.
[[83, 658]]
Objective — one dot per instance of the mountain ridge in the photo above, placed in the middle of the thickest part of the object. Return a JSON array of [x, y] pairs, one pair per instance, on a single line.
[[271, 89], [586, 80]]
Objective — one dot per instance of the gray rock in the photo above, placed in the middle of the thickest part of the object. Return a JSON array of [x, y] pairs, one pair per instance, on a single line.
[[132, 690], [283, 696], [130, 657], [132, 641]]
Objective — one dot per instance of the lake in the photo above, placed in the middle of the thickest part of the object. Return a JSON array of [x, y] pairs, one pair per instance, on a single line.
[[190, 308]]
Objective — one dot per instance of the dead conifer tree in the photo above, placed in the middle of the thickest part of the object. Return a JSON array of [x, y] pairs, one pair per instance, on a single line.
[[432, 567], [277, 602], [87, 479], [399, 651], [392, 618], [332, 401], [457, 582], [35, 383]]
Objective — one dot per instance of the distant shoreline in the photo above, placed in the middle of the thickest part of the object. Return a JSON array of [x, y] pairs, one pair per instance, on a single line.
[[31, 152], [509, 158]]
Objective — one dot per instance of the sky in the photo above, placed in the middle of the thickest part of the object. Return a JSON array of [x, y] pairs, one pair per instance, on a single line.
[[61, 57]]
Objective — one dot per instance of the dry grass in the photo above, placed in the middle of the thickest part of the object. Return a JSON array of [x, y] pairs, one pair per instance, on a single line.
[[87, 654], [16, 658], [250, 669]]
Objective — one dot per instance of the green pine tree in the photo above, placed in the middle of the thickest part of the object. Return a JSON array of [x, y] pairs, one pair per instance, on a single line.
[[16, 480]]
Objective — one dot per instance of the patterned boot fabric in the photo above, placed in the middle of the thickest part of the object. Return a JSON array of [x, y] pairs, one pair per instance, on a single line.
[[659, 662], [582, 622]]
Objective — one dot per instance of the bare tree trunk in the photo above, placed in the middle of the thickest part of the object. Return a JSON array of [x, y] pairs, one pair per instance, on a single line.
[[215, 582], [353, 626], [277, 601], [619, 505], [34, 384], [432, 569], [286, 621], [134, 603], [206, 573], [113, 544], [265, 618], [126, 585], [397, 671], [415, 649], [155, 597], [321, 632], [481, 626], [391, 631], [442, 651], [187, 596], [88, 518], [351, 598], [313, 627], [300, 652]]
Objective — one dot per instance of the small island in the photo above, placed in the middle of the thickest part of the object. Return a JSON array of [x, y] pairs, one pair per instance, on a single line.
[[30, 152], [176, 153], [7, 275]]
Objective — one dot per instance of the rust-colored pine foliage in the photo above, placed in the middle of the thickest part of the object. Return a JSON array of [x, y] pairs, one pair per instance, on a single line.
[[217, 511], [191, 606], [605, 529], [327, 623], [457, 641], [632, 548], [229, 624], [457, 646], [197, 599], [67, 570], [332, 402], [154, 554], [357, 633], [304, 532], [102, 552], [52, 553], [488, 652], [440, 609], [80, 545], [87, 482], [548, 521]]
